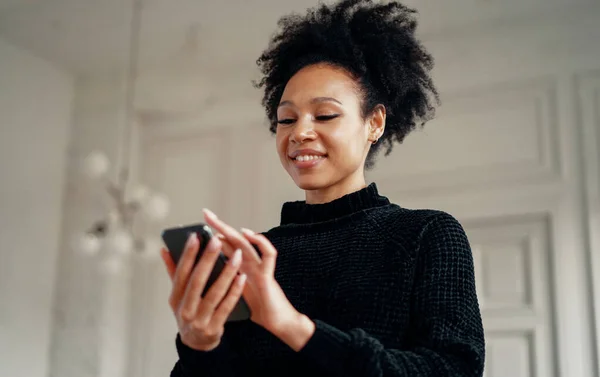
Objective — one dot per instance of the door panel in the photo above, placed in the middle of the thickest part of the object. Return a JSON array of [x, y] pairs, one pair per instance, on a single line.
[[512, 266]]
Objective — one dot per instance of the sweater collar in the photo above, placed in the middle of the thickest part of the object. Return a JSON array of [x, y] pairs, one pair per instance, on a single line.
[[299, 212]]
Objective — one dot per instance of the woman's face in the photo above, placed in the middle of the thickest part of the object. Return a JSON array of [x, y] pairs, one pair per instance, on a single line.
[[322, 139]]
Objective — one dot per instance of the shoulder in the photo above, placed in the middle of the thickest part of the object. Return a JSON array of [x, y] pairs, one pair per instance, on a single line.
[[444, 229], [419, 226], [395, 219]]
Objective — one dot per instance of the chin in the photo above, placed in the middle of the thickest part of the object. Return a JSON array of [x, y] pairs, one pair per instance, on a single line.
[[309, 182]]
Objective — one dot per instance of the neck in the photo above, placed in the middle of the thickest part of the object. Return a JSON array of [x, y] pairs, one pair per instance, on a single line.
[[327, 194]]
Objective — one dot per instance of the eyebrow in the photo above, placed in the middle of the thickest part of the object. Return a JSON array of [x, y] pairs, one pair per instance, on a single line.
[[313, 101]]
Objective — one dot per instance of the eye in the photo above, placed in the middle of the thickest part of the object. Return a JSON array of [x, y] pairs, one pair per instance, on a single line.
[[286, 121], [324, 118]]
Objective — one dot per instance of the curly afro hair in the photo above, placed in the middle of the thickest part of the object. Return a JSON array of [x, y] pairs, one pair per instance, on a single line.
[[375, 43]]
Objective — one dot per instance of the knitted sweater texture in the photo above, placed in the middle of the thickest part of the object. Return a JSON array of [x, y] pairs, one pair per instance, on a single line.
[[391, 291]]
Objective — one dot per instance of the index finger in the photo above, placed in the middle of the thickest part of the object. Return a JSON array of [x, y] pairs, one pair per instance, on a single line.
[[233, 236]]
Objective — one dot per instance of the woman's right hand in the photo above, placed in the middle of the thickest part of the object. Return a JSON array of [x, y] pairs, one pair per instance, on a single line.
[[201, 320]]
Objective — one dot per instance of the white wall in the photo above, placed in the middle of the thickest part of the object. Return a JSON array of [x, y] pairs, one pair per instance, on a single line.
[[35, 113]]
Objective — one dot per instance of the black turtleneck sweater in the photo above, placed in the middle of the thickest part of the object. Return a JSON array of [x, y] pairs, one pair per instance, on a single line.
[[391, 291]]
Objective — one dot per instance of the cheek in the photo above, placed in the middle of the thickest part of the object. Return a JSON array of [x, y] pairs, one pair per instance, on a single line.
[[281, 144], [346, 140]]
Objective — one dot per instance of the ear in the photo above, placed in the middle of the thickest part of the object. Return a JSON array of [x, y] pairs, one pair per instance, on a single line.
[[377, 123]]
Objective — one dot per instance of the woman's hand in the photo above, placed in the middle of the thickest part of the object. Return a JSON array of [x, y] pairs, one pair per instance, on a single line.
[[269, 306], [201, 320]]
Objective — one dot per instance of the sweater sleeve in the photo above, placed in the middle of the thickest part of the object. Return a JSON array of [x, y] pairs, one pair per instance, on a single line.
[[192, 363], [446, 332]]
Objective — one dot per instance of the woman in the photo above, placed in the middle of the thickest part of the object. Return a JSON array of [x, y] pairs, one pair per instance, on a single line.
[[362, 286]]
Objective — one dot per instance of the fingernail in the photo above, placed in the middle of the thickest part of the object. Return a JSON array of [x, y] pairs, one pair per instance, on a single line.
[[209, 213], [193, 238], [237, 258], [247, 231], [242, 279], [216, 245]]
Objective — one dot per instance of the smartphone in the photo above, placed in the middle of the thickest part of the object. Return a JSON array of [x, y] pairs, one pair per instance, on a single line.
[[175, 239]]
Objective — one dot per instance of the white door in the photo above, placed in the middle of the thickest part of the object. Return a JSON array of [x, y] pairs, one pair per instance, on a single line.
[[503, 156]]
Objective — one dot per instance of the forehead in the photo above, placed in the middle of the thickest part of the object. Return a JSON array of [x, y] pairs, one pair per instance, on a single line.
[[320, 81]]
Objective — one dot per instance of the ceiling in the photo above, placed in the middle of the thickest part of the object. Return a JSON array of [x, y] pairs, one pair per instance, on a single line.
[[91, 36]]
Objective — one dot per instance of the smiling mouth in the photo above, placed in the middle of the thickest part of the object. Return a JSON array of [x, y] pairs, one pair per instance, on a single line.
[[303, 158], [303, 162]]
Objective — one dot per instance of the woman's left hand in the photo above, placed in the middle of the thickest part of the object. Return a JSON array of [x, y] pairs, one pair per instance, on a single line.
[[269, 306]]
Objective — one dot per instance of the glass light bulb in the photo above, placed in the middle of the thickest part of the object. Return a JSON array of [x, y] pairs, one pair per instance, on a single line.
[[157, 207], [96, 165], [120, 242], [88, 243]]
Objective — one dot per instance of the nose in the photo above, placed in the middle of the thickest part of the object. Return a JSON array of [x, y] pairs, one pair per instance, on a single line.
[[303, 131]]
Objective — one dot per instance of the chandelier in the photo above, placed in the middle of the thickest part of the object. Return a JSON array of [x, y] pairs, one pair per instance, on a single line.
[[113, 237]]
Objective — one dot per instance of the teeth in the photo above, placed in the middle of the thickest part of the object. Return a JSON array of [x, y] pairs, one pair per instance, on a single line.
[[308, 158]]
